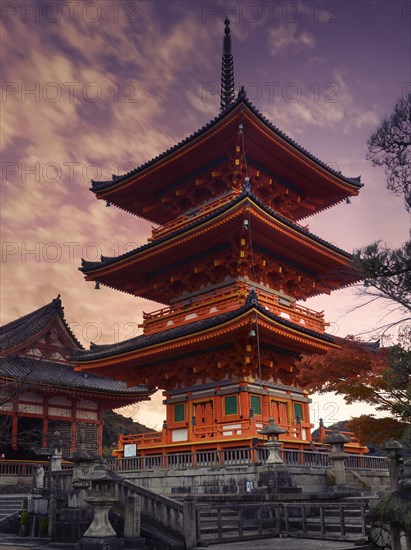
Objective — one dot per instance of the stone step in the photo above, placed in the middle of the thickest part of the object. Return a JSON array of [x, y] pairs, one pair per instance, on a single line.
[[13, 540]]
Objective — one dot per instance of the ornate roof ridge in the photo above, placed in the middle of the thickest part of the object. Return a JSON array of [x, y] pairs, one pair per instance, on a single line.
[[142, 341], [27, 326], [108, 260], [241, 98]]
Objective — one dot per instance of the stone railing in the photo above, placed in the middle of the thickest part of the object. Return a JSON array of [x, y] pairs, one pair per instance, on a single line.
[[19, 468], [242, 456], [58, 482], [165, 518]]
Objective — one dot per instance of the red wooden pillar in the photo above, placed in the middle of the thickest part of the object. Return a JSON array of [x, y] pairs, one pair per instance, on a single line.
[[73, 443], [100, 431], [14, 426], [265, 405], [244, 401], [218, 412], [307, 422], [100, 438], [44, 441]]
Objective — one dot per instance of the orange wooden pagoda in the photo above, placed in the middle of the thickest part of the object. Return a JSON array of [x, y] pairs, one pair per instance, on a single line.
[[229, 260]]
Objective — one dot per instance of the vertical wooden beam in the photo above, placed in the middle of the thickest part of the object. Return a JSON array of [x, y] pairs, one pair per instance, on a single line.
[[265, 405], [73, 444], [44, 442]]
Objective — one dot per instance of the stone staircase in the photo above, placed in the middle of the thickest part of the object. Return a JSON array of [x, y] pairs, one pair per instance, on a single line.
[[354, 482], [10, 505]]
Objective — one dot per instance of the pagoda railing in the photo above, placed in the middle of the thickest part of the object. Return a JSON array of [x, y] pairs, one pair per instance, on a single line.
[[191, 215], [223, 300], [241, 457], [221, 430], [215, 302]]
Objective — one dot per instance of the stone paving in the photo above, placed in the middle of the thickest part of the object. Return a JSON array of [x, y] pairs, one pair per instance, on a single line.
[[261, 544], [284, 544]]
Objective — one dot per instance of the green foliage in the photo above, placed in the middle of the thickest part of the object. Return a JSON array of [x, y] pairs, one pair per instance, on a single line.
[[24, 517], [398, 382], [406, 438], [394, 509], [43, 526]]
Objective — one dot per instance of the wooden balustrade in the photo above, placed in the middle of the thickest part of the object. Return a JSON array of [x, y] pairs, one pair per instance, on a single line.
[[220, 430], [224, 522], [189, 217], [227, 299]]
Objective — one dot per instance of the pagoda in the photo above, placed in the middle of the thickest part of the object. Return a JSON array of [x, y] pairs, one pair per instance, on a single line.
[[229, 261]]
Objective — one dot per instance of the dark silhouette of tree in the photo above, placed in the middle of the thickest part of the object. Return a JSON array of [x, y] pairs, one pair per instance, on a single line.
[[390, 146]]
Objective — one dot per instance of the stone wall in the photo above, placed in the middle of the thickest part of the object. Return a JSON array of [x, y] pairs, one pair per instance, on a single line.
[[248, 479], [10, 483]]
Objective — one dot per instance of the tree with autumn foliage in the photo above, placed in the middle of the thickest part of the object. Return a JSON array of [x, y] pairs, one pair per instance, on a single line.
[[365, 373], [362, 372]]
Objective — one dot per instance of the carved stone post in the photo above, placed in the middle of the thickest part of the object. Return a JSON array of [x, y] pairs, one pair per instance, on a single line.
[[393, 449], [337, 455], [55, 459], [190, 522], [38, 501], [132, 512], [52, 518]]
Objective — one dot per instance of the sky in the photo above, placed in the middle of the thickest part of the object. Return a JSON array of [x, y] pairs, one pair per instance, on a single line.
[[92, 88]]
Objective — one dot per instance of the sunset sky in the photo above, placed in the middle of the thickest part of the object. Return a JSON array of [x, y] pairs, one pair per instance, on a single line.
[[95, 88]]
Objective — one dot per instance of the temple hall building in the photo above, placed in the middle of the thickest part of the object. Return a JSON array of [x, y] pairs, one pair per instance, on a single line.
[[41, 393]]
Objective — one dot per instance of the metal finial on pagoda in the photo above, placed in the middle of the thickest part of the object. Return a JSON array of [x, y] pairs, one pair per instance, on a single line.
[[227, 70]]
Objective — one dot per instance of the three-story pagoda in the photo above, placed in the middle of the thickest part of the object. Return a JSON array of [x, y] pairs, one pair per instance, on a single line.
[[229, 261]]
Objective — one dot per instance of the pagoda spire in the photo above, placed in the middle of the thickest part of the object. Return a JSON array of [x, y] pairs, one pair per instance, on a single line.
[[227, 70]]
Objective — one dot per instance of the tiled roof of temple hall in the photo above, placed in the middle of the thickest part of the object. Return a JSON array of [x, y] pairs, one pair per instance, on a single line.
[[40, 372], [24, 328]]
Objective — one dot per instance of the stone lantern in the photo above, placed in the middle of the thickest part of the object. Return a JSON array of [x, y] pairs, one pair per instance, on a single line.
[[100, 535], [272, 431], [337, 455]]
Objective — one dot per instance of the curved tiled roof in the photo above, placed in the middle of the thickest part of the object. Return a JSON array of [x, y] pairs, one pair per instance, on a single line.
[[26, 327], [105, 260], [144, 341], [242, 98], [48, 373]]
